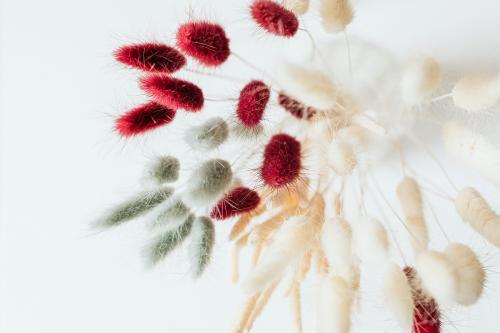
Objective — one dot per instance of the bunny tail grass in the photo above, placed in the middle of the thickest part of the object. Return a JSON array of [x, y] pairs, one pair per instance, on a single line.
[[134, 207], [164, 169], [202, 242]]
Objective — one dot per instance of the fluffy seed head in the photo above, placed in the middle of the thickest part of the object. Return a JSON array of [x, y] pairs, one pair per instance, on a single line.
[[282, 161], [371, 241], [207, 136], [164, 169], [477, 92], [151, 57], [334, 305], [173, 93], [470, 273], [239, 200], [208, 182], [398, 295], [341, 157], [296, 108], [335, 14], [176, 211], [252, 103], [420, 80], [202, 243], [274, 18], [204, 41], [299, 7], [143, 118]]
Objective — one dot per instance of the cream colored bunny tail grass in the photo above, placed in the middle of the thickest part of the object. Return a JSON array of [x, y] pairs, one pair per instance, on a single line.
[[309, 86], [336, 242], [289, 244], [246, 313], [371, 242], [202, 243], [296, 306], [477, 92], [298, 7], [235, 257], [164, 244], [336, 15], [411, 200], [421, 79], [470, 273], [398, 296], [335, 299], [164, 169], [244, 220], [134, 207], [207, 136], [341, 157], [261, 304], [476, 211], [472, 149], [208, 183], [175, 212], [438, 276]]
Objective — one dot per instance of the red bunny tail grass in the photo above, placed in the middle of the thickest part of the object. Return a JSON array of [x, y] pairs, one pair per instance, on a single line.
[[426, 317], [252, 103], [173, 93], [143, 119], [274, 18], [296, 108], [151, 57], [239, 200], [282, 161], [206, 42]]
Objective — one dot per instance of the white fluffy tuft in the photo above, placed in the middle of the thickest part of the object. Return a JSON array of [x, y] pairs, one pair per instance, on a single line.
[[370, 241], [472, 149], [470, 272], [334, 303], [438, 275], [288, 246], [398, 295], [335, 14], [421, 79], [298, 7], [341, 158], [308, 85], [477, 92]]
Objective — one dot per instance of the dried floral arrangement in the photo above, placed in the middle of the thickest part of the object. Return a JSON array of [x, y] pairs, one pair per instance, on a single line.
[[294, 211]]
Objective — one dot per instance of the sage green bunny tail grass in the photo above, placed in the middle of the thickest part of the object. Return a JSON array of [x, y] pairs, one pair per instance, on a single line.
[[202, 242], [135, 207], [208, 182], [176, 211], [207, 136], [168, 241], [164, 169]]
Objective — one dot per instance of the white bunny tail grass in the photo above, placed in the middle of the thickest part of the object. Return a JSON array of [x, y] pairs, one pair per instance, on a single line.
[[336, 241], [202, 243], [336, 15], [175, 212], [421, 78], [207, 136], [298, 7], [472, 149], [134, 207], [310, 86], [341, 157], [438, 275], [335, 299], [470, 273], [162, 245], [370, 241], [398, 296], [208, 183], [289, 244], [411, 200], [164, 169], [477, 92], [476, 211]]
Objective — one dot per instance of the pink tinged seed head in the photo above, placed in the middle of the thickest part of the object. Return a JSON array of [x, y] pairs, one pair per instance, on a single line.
[[252, 103], [295, 108], [151, 57], [206, 42], [282, 161], [274, 18], [143, 119], [238, 201], [173, 93]]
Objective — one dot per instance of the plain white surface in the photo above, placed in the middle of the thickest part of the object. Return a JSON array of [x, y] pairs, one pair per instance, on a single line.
[[61, 165]]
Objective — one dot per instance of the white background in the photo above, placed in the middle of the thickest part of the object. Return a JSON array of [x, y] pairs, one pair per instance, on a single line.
[[61, 165]]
